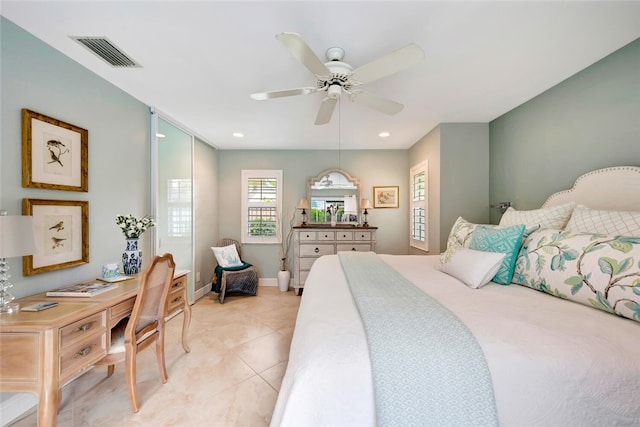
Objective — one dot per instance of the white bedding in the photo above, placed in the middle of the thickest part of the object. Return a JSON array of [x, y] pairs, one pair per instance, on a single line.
[[552, 362]]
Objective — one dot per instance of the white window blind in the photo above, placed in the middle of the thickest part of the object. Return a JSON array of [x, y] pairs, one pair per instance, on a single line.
[[418, 181], [261, 202], [179, 207]]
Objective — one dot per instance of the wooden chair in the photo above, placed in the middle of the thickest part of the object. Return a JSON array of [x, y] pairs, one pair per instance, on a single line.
[[234, 280], [144, 327]]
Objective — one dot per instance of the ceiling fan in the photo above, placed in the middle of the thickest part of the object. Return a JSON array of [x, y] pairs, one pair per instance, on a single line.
[[336, 77]]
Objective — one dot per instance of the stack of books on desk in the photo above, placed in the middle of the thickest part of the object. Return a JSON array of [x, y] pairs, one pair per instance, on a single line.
[[82, 289]]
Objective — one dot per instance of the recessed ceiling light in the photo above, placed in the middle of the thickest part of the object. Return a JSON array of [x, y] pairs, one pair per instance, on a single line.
[[238, 134], [384, 134]]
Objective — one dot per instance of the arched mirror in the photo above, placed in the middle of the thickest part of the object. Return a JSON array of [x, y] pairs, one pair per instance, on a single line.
[[333, 188]]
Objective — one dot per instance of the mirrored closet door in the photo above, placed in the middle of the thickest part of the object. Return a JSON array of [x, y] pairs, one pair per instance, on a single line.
[[172, 166]]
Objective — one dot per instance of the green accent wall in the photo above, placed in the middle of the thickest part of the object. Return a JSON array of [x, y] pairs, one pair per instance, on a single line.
[[589, 121]]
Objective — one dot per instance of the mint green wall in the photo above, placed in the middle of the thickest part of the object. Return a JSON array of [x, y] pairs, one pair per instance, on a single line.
[[38, 77], [458, 156], [589, 121], [372, 167]]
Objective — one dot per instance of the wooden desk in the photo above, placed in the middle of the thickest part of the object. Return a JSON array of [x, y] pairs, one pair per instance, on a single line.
[[41, 351]]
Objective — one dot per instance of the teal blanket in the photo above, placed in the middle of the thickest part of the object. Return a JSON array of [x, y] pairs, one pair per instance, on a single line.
[[428, 369]]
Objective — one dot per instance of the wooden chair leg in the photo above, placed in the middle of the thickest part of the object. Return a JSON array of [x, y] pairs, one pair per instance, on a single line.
[[160, 356], [110, 370], [130, 375]]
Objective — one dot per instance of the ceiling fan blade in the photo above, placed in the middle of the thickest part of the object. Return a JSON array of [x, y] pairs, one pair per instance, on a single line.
[[304, 54], [261, 96], [326, 110], [394, 62], [370, 100]]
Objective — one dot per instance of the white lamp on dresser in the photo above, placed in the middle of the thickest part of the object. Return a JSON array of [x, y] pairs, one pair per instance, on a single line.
[[16, 240]]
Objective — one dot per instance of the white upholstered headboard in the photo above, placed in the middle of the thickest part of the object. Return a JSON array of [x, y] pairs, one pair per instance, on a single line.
[[616, 188]]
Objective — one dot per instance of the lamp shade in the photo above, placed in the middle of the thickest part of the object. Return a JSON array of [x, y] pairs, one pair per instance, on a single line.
[[16, 236], [303, 204], [365, 204]]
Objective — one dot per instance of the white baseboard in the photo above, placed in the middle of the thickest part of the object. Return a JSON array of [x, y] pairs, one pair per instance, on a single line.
[[15, 405]]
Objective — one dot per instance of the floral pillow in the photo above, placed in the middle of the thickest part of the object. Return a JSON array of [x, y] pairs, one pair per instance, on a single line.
[[596, 270], [460, 234]]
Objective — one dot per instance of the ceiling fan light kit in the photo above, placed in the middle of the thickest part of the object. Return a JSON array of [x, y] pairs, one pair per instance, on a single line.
[[336, 77]]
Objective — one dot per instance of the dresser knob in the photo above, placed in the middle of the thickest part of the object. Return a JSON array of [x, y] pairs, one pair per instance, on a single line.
[[317, 250], [353, 249]]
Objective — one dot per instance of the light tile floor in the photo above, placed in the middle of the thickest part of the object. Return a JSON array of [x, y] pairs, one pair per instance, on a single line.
[[238, 357]]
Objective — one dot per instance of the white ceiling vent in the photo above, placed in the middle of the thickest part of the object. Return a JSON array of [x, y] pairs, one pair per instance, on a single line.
[[106, 50]]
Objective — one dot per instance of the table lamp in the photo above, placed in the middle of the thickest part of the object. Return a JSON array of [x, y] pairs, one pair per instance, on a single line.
[[304, 205], [16, 240], [365, 204]]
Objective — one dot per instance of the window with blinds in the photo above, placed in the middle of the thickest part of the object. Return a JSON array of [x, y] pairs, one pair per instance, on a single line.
[[261, 202], [179, 198], [418, 210]]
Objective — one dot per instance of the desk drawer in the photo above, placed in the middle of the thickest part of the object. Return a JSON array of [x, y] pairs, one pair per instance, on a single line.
[[357, 247], [316, 250], [80, 330], [82, 354], [175, 301], [120, 311]]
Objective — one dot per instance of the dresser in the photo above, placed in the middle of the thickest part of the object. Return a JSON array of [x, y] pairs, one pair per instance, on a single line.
[[312, 242], [41, 351]]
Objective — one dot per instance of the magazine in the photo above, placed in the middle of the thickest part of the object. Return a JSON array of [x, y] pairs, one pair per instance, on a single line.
[[82, 289]]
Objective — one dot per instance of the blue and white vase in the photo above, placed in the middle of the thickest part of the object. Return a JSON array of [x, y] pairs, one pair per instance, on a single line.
[[132, 258]]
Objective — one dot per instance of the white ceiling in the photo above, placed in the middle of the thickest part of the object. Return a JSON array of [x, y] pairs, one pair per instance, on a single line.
[[201, 60]]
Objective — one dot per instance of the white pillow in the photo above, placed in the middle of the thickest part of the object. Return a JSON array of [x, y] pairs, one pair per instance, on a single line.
[[555, 217], [474, 268], [227, 256], [613, 223]]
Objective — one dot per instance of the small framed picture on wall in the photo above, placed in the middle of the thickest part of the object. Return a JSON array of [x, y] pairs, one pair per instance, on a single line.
[[386, 197], [54, 153]]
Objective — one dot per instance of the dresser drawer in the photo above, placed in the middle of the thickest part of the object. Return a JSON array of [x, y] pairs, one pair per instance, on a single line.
[[307, 236], [315, 250], [82, 354], [326, 235], [362, 235], [306, 263], [357, 247], [344, 235], [80, 330]]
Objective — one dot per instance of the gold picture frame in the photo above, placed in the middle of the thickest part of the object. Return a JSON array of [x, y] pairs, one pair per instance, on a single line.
[[386, 197], [54, 153], [61, 228]]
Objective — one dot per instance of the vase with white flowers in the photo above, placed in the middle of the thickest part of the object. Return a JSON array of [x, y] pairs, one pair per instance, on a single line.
[[132, 228]]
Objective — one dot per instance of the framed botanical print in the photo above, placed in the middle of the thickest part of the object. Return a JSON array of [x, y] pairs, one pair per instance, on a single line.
[[385, 197], [54, 153], [61, 228]]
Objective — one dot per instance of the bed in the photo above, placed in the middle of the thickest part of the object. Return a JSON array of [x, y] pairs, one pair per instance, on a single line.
[[551, 362]]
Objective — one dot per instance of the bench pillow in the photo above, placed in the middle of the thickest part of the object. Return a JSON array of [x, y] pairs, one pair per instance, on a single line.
[[596, 270]]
